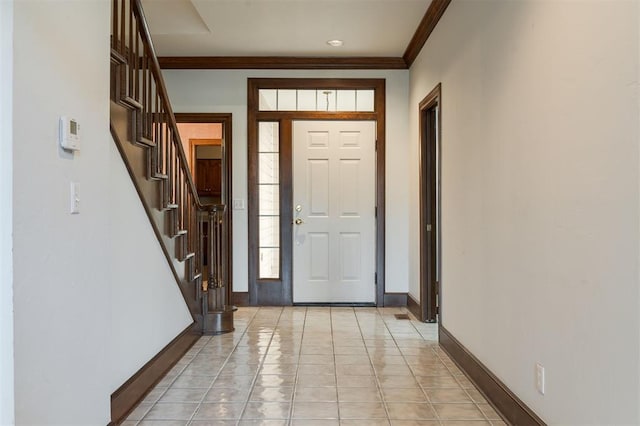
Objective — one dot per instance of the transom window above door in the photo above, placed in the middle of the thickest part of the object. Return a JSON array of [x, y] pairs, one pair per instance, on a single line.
[[329, 100]]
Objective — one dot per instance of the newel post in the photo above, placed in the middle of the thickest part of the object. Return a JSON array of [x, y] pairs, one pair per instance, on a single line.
[[217, 312]]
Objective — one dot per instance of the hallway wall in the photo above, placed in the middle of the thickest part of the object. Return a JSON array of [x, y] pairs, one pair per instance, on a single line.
[[6, 220], [226, 91], [540, 128], [93, 295]]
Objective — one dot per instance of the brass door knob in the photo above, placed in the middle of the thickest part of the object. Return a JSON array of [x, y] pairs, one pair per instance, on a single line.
[[298, 221]]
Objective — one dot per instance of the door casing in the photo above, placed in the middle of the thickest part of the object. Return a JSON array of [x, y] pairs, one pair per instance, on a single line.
[[225, 119], [430, 110], [279, 291]]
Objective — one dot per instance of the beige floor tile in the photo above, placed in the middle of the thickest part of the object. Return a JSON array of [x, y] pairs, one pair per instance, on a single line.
[[263, 422], [163, 423], [315, 394], [414, 394], [447, 395], [219, 411], [464, 382], [393, 370], [139, 412], [356, 381], [171, 411], [385, 360], [458, 412], [344, 349], [324, 369], [410, 411], [316, 350], [354, 370], [476, 396], [311, 422], [316, 380], [233, 382], [362, 410], [437, 382], [352, 359], [274, 394], [316, 359], [288, 369], [227, 394], [315, 410], [392, 381], [365, 394], [267, 410], [364, 422], [183, 395], [322, 366], [272, 380], [489, 412]]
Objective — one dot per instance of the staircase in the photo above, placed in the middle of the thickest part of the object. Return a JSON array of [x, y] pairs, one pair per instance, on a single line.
[[145, 131]]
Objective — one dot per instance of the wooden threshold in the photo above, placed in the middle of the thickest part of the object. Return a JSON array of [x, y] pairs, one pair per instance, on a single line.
[[127, 396], [501, 397]]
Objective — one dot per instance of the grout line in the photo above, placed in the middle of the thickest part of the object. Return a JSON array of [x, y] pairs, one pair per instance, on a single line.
[[191, 419], [412, 373], [255, 378]]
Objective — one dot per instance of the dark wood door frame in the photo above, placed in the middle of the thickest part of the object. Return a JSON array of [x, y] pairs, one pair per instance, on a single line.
[[225, 119], [279, 291], [430, 110]]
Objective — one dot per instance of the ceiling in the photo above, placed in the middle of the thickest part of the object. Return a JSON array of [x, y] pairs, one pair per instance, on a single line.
[[369, 28]]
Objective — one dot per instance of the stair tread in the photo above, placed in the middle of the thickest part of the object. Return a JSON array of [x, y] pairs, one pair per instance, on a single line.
[[141, 140], [128, 101], [117, 57]]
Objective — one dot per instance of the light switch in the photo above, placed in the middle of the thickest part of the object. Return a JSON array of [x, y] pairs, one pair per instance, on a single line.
[[238, 204], [75, 198]]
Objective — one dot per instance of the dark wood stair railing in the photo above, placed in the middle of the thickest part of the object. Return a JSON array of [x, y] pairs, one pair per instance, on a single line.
[[145, 130]]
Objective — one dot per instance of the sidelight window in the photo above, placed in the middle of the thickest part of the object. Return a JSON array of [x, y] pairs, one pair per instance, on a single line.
[[269, 200]]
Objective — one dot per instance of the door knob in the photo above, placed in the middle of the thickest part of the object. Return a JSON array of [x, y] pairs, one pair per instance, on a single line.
[[298, 221]]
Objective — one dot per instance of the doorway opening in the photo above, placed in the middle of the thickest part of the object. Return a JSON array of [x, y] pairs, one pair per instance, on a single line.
[[430, 240], [274, 106], [206, 139]]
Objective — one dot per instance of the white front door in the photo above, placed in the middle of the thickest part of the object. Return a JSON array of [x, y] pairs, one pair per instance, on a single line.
[[334, 211]]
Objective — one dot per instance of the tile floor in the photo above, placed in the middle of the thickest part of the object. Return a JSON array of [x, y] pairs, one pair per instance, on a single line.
[[316, 366]]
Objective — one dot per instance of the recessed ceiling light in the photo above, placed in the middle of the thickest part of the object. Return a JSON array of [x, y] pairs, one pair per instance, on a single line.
[[335, 43]]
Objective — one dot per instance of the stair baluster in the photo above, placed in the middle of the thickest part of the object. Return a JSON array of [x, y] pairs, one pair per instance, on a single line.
[[180, 219]]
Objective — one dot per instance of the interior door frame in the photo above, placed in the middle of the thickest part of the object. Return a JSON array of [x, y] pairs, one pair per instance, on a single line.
[[429, 204], [279, 291], [227, 231]]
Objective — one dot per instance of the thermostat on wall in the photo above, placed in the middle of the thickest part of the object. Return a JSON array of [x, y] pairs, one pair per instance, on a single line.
[[69, 134]]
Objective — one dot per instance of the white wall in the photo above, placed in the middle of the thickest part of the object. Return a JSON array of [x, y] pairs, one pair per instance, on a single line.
[[6, 255], [226, 91], [540, 197], [61, 285], [90, 296], [147, 309]]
